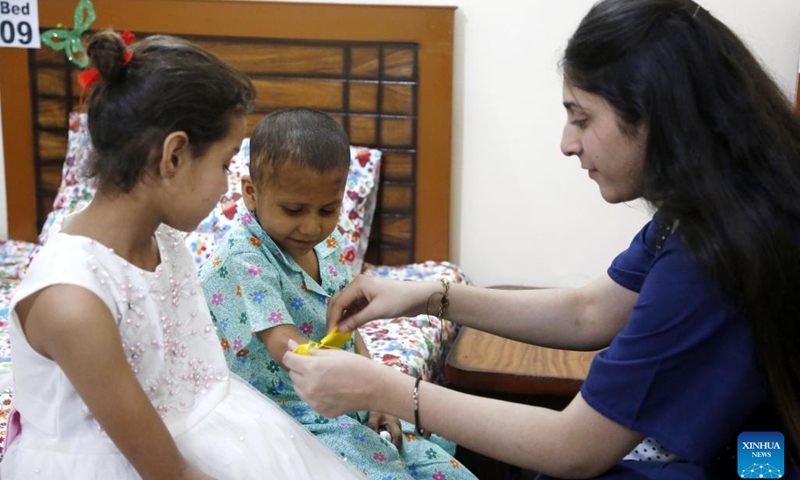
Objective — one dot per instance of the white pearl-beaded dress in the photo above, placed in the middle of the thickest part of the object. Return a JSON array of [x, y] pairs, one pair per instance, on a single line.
[[221, 424]]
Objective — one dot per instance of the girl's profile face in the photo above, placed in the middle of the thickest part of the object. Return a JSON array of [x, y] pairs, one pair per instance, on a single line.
[[613, 158], [206, 178], [298, 207]]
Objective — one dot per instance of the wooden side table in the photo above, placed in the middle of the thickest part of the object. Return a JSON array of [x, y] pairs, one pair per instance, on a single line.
[[482, 362]]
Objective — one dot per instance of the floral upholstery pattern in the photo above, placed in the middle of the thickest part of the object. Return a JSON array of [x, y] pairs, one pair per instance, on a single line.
[[418, 345], [76, 190]]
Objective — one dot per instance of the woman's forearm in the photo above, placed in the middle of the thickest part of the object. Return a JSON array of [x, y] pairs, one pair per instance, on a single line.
[[530, 437], [579, 319]]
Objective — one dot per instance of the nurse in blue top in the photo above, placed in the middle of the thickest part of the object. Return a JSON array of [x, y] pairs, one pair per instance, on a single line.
[[698, 317]]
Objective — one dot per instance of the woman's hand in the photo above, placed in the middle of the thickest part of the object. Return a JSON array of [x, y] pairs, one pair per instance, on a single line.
[[380, 421], [334, 382], [369, 298]]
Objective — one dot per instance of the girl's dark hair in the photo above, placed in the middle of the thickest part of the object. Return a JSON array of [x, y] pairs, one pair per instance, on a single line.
[[722, 157], [300, 136], [168, 85]]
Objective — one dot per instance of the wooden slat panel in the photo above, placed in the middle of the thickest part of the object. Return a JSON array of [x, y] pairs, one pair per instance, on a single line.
[[396, 230], [52, 146], [284, 93], [51, 177], [398, 99], [252, 121], [392, 256], [46, 54], [398, 63], [279, 59], [397, 132], [397, 166], [372, 255], [364, 97], [76, 85], [430, 28], [364, 62], [51, 81], [338, 118], [362, 130], [52, 113], [397, 198], [45, 204]]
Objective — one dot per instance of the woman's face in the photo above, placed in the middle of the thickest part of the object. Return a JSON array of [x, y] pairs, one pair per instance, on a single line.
[[614, 159]]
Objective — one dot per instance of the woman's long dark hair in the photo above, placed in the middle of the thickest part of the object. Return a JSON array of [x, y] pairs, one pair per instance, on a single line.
[[722, 157]]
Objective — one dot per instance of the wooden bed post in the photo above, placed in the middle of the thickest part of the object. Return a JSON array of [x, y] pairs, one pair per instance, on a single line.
[[18, 144]]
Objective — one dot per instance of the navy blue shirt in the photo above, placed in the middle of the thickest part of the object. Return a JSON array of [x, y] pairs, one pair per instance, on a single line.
[[683, 369]]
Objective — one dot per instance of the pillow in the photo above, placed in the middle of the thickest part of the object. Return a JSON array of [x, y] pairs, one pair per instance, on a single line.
[[355, 220], [358, 205], [76, 190]]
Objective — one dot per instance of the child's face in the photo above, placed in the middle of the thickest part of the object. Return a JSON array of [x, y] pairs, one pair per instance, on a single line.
[[205, 179], [298, 207]]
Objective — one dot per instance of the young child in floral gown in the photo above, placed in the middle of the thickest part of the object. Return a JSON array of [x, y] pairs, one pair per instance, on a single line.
[[271, 278]]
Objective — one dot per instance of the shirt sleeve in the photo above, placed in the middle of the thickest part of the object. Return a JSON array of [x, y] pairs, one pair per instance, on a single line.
[[683, 368], [243, 293], [630, 267]]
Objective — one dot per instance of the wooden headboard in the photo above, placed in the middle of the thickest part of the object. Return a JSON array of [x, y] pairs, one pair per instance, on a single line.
[[385, 72]]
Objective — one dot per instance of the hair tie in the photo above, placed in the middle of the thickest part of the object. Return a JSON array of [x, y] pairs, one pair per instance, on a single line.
[[92, 76], [697, 9]]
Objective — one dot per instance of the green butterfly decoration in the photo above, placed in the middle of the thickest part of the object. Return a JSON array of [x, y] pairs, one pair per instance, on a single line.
[[70, 40]]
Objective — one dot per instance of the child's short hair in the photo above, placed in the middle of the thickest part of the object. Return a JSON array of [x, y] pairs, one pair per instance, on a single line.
[[160, 85], [302, 136]]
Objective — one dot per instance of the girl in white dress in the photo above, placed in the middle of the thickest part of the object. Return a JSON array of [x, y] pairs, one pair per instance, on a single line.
[[118, 371]]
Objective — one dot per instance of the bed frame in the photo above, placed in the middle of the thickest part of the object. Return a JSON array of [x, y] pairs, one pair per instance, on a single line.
[[384, 72]]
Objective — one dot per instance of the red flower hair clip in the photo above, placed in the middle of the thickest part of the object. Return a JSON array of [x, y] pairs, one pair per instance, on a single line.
[[92, 76]]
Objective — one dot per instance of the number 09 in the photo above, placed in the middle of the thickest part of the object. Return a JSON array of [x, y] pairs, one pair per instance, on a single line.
[[8, 33]]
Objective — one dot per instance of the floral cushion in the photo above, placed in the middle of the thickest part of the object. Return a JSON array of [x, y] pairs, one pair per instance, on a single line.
[[14, 260], [355, 220], [76, 190], [418, 345]]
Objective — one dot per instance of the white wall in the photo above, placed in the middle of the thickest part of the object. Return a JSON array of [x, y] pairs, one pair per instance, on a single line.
[[522, 213]]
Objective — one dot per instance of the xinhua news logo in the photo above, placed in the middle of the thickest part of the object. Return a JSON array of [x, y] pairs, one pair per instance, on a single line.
[[760, 455]]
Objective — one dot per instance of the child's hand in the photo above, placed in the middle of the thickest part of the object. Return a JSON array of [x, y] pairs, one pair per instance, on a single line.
[[379, 422]]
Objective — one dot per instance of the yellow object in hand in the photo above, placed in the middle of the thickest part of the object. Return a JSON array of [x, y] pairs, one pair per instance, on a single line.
[[335, 339]]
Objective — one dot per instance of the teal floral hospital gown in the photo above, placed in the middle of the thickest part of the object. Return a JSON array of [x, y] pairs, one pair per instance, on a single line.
[[250, 286]]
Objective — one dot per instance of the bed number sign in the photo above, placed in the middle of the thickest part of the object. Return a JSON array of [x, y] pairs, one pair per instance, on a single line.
[[19, 23]]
